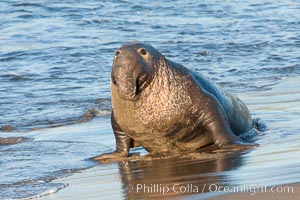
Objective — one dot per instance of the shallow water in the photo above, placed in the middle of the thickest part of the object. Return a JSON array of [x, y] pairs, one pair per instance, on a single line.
[[55, 61]]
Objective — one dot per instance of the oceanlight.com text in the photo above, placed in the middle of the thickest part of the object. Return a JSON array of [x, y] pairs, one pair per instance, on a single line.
[[163, 189]]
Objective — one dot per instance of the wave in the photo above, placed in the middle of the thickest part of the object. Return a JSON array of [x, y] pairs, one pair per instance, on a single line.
[[46, 123], [30, 191], [28, 168], [285, 70], [14, 77]]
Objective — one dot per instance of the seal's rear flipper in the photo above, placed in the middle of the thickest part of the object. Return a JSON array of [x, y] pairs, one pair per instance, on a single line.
[[236, 145], [227, 148]]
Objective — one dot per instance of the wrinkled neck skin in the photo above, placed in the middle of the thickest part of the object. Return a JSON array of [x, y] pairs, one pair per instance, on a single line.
[[162, 101], [166, 80], [172, 82]]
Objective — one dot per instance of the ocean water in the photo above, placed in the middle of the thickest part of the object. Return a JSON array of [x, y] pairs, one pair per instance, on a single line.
[[55, 62]]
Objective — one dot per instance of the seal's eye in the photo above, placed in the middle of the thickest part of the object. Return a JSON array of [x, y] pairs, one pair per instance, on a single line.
[[143, 51], [117, 53]]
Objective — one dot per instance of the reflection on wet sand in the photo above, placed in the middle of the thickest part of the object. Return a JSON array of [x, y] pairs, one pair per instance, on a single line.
[[175, 176]]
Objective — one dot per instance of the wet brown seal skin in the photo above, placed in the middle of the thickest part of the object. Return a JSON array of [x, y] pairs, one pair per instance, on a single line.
[[169, 109]]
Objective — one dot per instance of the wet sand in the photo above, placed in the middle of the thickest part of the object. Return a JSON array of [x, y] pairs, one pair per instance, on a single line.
[[275, 162]]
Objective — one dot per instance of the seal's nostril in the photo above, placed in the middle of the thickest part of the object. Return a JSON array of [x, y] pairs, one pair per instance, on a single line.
[[117, 52]]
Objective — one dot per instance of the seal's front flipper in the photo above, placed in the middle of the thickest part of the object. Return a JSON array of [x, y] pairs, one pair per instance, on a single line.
[[123, 144]]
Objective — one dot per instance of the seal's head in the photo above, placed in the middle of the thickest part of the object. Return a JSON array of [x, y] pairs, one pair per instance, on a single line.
[[133, 68]]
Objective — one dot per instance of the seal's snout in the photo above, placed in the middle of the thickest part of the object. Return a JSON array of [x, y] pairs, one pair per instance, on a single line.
[[129, 71]]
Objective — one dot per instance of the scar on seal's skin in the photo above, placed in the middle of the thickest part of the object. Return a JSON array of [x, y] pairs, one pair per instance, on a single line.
[[169, 109]]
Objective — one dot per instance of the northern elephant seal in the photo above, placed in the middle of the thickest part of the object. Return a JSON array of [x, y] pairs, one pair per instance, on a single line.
[[168, 108]]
